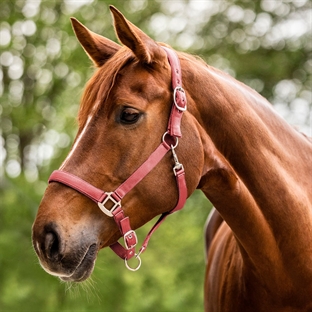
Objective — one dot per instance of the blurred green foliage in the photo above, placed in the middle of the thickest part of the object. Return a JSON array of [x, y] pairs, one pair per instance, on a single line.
[[266, 44]]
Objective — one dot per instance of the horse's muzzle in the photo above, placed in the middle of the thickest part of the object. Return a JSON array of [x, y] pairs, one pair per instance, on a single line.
[[75, 264]]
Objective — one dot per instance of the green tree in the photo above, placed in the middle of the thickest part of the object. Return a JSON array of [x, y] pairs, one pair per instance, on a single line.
[[266, 44]]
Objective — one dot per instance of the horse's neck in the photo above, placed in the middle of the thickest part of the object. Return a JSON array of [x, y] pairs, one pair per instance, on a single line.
[[262, 189], [265, 152]]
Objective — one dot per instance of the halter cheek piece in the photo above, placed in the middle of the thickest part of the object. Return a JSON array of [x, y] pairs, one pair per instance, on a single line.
[[169, 142]]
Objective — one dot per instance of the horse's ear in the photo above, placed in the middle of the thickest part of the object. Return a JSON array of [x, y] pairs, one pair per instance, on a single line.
[[145, 48], [98, 48]]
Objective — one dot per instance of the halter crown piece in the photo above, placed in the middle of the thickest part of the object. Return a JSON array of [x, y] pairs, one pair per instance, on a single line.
[[115, 211]]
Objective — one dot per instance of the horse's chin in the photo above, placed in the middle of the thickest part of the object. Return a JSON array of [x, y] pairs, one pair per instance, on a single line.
[[85, 267], [83, 270]]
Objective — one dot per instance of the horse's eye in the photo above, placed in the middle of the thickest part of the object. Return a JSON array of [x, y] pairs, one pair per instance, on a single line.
[[129, 115]]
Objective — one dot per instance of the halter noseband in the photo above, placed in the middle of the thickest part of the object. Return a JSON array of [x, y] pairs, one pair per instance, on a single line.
[[169, 142]]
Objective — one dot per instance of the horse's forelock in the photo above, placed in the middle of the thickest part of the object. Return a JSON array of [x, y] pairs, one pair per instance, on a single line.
[[100, 84]]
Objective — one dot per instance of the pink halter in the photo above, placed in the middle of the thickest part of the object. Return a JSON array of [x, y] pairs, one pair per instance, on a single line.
[[169, 142]]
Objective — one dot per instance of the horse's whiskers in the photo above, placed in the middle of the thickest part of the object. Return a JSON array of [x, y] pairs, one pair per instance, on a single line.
[[87, 287]]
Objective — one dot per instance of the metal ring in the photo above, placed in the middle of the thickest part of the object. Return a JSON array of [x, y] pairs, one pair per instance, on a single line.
[[176, 143], [137, 267]]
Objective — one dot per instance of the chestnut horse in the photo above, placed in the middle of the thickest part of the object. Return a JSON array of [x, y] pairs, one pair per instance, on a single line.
[[253, 167]]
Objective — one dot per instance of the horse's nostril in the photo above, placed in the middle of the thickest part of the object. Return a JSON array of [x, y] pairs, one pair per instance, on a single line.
[[52, 245]]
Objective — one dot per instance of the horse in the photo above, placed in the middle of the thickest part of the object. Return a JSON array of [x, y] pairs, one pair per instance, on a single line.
[[137, 121]]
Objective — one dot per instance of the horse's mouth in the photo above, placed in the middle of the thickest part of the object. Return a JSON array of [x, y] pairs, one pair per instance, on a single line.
[[84, 268]]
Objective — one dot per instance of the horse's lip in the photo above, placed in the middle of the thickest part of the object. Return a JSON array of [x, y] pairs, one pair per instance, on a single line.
[[84, 268]]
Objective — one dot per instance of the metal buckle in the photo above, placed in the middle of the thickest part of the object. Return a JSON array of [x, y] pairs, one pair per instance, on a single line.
[[116, 204], [129, 233], [182, 109]]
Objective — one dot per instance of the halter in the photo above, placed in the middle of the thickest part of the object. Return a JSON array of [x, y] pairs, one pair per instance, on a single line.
[[113, 199]]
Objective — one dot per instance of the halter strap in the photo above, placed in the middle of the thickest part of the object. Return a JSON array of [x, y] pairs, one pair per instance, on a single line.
[[169, 142], [179, 97]]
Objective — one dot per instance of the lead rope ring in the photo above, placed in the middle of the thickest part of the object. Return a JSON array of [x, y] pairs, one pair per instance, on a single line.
[[137, 256]]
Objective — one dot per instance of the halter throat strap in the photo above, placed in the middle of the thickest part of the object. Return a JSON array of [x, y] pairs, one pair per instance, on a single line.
[[113, 199]]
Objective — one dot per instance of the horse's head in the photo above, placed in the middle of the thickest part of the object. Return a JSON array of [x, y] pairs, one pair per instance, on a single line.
[[123, 116]]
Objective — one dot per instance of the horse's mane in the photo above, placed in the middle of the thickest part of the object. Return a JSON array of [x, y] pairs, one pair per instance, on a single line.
[[99, 86]]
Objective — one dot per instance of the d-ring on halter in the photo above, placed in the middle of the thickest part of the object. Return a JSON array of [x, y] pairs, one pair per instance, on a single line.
[[169, 142]]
